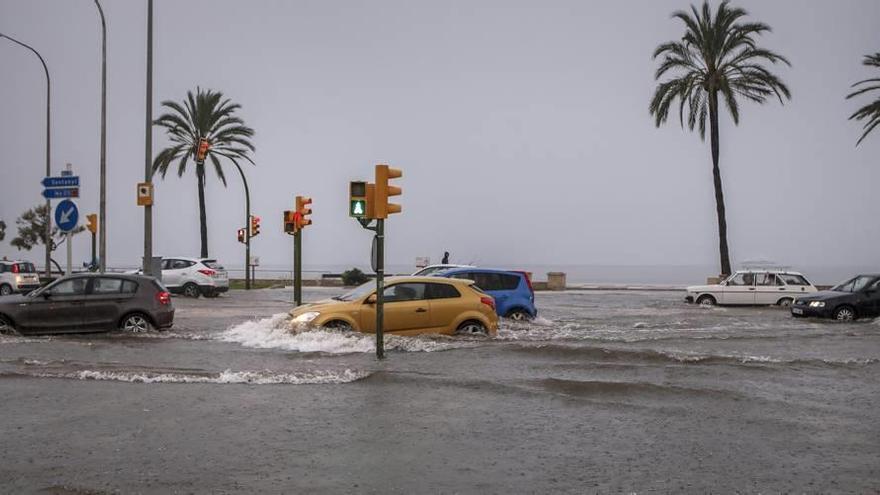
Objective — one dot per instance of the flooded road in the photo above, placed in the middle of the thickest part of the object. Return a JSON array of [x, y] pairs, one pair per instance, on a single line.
[[605, 392]]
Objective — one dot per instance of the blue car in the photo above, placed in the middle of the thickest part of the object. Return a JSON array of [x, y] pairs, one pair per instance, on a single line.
[[513, 293]]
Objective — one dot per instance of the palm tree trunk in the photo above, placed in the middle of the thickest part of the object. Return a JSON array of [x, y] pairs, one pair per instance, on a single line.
[[203, 219], [719, 193]]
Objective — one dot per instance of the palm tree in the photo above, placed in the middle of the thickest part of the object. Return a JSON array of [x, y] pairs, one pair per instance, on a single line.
[[871, 111], [205, 115], [718, 56]]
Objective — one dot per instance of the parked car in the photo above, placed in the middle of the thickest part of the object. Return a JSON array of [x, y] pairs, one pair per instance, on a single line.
[[513, 293], [88, 303], [858, 297], [753, 287], [18, 277], [193, 277], [432, 269], [412, 306]]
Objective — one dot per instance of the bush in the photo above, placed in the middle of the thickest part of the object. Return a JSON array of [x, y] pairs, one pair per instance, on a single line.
[[354, 277]]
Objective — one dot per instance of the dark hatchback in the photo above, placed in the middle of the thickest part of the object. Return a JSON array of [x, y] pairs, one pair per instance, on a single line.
[[858, 297], [89, 303]]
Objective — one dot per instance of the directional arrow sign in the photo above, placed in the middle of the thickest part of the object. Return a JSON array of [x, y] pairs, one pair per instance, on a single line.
[[66, 215], [70, 181], [61, 193]]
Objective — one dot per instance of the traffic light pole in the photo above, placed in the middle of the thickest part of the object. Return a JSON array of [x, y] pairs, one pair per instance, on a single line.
[[297, 267], [94, 261], [380, 288], [247, 229]]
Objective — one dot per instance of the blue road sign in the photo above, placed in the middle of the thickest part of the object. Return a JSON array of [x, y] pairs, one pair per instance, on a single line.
[[66, 215], [70, 192], [71, 181]]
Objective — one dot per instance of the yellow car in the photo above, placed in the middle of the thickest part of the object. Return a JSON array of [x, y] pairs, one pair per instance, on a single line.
[[413, 306]]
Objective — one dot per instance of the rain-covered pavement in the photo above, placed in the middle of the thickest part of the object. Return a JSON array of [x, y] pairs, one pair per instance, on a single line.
[[605, 392]]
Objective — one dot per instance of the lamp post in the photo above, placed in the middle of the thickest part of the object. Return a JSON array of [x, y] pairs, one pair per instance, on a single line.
[[102, 208], [247, 229], [148, 141], [47, 235]]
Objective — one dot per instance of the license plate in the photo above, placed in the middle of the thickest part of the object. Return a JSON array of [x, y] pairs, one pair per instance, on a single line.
[[797, 311]]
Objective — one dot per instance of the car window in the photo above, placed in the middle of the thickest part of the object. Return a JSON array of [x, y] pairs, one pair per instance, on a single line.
[[71, 287], [853, 285], [488, 281], [26, 268], [766, 279], [792, 279], [2, 267], [508, 281], [166, 264], [129, 287], [212, 264], [742, 279], [103, 285], [404, 292], [181, 264], [442, 291]]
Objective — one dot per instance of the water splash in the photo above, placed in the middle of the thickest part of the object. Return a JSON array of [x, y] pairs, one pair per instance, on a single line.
[[226, 377]]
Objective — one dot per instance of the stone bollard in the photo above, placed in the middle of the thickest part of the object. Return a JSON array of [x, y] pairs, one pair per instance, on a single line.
[[556, 281]]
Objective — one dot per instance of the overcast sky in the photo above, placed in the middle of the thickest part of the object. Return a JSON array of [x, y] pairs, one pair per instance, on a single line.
[[522, 129]]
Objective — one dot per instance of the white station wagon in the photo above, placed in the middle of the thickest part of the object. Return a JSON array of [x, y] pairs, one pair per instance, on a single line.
[[753, 287]]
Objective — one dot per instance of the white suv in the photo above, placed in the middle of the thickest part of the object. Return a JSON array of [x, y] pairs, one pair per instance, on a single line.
[[753, 287], [17, 276], [193, 277]]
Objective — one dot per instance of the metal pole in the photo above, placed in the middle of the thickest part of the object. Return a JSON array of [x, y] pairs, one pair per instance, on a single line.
[[148, 145], [297, 267], [69, 255], [247, 229], [102, 212], [47, 235], [380, 288], [92, 264]]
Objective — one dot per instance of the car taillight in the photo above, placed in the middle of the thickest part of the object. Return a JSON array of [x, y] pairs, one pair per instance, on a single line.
[[209, 273], [163, 297], [528, 282], [488, 301], [15, 269]]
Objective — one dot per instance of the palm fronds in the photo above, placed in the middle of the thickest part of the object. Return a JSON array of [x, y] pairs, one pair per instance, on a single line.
[[870, 113]]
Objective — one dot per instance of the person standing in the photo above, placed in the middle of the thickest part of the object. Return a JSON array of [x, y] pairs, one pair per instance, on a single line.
[[445, 258]]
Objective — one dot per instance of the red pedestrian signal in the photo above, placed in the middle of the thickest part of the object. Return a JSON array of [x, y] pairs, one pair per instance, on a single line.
[[202, 151], [290, 223], [241, 237]]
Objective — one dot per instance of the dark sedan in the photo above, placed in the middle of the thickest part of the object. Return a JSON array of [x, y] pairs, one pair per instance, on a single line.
[[89, 303], [858, 297]]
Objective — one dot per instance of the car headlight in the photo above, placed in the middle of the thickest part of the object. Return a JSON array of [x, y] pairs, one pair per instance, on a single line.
[[817, 304], [306, 317]]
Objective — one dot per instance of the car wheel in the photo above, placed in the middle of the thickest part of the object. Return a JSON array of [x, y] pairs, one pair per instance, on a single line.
[[337, 325], [209, 293], [518, 315], [5, 290], [706, 300], [844, 313], [6, 326], [471, 327], [784, 302], [135, 323], [191, 290]]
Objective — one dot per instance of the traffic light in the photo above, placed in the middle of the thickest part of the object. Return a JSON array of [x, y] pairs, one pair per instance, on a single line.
[[255, 225], [290, 226], [241, 238], [302, 207], [202, 152], [382, 208], [93, 223], [357, 194]]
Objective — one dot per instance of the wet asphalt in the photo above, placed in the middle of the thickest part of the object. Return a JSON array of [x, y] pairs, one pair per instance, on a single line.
[[607, 392]]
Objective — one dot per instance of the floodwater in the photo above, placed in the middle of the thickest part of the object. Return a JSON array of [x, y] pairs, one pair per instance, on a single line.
[[605, 392]]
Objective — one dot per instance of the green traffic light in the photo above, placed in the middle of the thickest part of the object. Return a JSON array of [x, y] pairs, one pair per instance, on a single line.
[[358, 208]]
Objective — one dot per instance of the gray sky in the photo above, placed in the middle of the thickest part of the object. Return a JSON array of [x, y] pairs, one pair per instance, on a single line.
[[522, 129]]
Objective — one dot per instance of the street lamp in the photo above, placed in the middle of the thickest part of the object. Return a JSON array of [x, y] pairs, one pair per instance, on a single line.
[[102, 209], [247, 229], [47, 239]]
